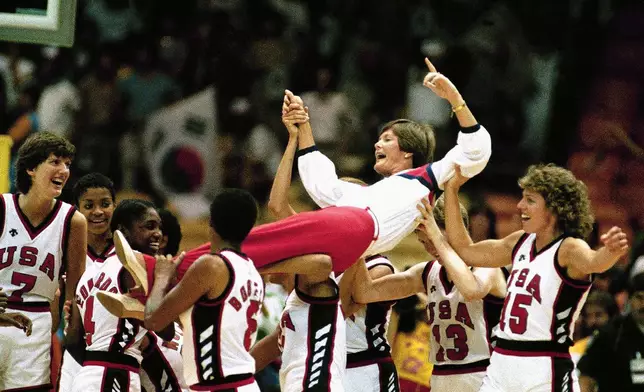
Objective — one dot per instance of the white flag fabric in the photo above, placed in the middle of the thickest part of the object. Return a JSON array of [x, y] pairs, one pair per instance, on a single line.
[[181, 152]]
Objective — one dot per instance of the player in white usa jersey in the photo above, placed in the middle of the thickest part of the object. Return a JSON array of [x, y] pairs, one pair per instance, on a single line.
[[113, 353], [162, 365], [369, 363], [311, 334], [552, 267], [40, 238], [94, 197], [460, 344], [218, 299]]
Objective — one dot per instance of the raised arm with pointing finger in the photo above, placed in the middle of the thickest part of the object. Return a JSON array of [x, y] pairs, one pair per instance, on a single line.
[[404, 155]]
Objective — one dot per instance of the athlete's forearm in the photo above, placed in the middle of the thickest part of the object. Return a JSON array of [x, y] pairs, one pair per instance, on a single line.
[[266, 350], [602, 261], [347, 288], [305, 137], [464, 280], [463, 114], [278, 200], [387, 288], [457, 233], [154, 301]]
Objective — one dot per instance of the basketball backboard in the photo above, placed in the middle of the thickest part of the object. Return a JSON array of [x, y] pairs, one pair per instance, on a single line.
[[45, 22]]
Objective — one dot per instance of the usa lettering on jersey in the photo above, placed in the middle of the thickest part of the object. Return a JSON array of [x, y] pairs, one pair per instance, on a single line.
[[285, 323], [31, 257], [459, 329], [518, 322], [455, 331], [28, 256], [543, 302]]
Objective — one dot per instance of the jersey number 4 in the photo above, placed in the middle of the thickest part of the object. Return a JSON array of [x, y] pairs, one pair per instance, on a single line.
[[518, 314], [88, 323], [457, 333]]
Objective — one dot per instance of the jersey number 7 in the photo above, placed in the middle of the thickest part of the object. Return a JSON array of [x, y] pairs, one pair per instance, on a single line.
[[26, 281]]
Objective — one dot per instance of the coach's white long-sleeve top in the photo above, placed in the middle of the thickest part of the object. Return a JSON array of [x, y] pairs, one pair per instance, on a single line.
[[393, 200]]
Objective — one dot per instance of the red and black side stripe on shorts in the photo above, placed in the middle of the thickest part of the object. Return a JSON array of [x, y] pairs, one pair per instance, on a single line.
[[321, 343], [562, 369], [118, 369], [115, 380], [156, 366], [388, 377]]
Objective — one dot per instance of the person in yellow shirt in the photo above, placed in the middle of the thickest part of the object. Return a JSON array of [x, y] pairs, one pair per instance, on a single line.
[[409, 333]]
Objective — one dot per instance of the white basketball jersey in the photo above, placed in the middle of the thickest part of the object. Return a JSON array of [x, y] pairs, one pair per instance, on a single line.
[[95, 258], [220, 332], [313, 344], [367, 328], [460, 332], [31, 257], [104, 331], [542, 303]]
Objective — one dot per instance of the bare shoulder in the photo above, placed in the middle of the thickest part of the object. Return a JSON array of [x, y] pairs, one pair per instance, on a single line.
[[511, 240], [418, 268], [380, 270], [210, 264], [571, 249], [78, 221]]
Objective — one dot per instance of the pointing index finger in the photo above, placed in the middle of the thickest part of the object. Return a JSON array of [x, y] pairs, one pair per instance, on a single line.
[[430, 66]]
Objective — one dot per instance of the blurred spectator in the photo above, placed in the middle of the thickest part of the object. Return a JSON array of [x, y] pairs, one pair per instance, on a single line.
[[501, 78], [264, 147], [599, 310], [17, 72], [100, 122], [144, 91], [409, 333], [115, 20], [295, 13], [613, 361], [332, 116], [60, 100], [482, 223], [25, 124]]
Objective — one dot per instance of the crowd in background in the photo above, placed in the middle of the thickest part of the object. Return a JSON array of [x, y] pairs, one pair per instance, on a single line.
[[356, 64]]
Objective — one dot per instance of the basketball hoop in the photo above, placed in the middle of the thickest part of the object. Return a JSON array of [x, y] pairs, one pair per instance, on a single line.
[[44, 22]]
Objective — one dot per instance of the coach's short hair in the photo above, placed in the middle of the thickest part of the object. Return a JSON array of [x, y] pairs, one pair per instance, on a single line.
[[233, 213], [92, 181], [36, 149], [415, 138]]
